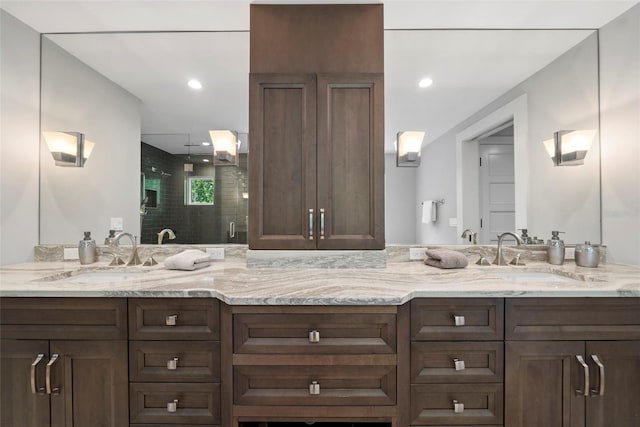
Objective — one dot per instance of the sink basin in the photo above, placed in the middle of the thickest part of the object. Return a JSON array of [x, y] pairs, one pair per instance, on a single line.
[[531, 276], [104, 276]]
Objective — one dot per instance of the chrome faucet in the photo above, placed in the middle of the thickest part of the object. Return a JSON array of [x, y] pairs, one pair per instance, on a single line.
[[134, 259], [161, 234], [499, 257], [470, 235]]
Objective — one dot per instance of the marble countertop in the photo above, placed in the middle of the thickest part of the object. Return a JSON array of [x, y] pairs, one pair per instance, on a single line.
[[233, 283]]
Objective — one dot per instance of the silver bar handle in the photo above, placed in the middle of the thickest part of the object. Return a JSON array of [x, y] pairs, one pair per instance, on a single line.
[[314, 336], [172, 364], [458, 320], [49, 388], [34, 380], [585, 368], [321, 224], [458, 407], [232, 229], [310, 224], [600, 390], [171, 320], [314, 388], [172, 406], [459, 364]]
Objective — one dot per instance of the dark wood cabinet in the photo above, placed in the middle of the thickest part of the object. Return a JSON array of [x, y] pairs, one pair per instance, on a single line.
[[317, 161]]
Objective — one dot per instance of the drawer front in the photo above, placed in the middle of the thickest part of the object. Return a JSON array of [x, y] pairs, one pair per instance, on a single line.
[[192, 318], [314, 333], [478, 319], [573, 319], [434, 404], [63, 318], [337, 385], [198, 404], [154, 361], [457, 362]]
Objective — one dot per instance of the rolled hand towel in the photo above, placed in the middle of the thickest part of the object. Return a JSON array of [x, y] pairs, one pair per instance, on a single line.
[[445, 258], [190, 259]]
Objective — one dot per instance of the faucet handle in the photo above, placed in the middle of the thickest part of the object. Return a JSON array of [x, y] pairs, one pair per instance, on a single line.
[[116, 259], [149, 261], [516, 260]]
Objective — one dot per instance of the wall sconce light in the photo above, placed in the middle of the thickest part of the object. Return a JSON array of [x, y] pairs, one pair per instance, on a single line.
[[409, 148], [225, 147], [569, 147], [68, 148]]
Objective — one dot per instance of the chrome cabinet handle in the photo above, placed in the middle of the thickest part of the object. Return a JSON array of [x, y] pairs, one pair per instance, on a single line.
[[600, 390], [171, 320], [458, 320], [321, 224], [585, 368], [232, 229], [458, 407], [172, 406], [310, 224], [50, 389], [459, 364], [34, 380], [314, 336], [314, 388], [172, 364]]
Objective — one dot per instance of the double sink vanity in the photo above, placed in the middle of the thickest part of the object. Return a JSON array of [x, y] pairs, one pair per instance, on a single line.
[[406, 344]]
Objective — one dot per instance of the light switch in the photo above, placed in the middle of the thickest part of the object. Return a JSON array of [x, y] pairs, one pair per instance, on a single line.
[[70, 254], [453, 222], [216, 253], [117, 224]]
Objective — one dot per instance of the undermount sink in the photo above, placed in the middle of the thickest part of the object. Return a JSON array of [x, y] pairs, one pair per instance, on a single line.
[[532, 276], [104, 276]]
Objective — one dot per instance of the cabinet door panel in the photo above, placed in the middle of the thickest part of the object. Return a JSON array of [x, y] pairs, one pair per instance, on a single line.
[[351, 161], [619, 404], [282, 126], [21, 408], [92, 378], [541, 382]]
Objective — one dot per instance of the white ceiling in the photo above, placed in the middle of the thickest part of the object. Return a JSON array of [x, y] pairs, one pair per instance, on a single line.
[[470, 68]]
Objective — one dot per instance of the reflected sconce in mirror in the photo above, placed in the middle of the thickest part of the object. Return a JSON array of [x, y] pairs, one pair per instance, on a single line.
[[68, 148], [225, 147], [409, 147], [569, 147]]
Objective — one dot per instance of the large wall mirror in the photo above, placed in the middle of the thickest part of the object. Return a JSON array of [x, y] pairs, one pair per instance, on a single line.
[[494, 91]]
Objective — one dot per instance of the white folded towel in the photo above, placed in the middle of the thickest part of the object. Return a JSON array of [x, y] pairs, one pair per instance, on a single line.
[[190, 259]]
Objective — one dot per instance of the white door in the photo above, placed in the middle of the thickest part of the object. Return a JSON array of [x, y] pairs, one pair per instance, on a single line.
[[497, 192]]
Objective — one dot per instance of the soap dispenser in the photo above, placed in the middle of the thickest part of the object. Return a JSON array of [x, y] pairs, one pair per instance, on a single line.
[[555, 249], [87, 249]]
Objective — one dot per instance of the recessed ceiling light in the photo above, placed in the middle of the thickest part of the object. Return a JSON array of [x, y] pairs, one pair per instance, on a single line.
[[205, 160], [426, 82], [206, 143], [194, 84]]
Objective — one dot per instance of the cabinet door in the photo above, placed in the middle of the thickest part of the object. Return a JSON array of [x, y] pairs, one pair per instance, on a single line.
[[541, 382], [282, 196], [92, 380], [351, 161], [20, 407], [617, 405]]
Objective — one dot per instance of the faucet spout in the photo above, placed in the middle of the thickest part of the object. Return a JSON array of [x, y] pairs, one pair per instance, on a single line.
[[134, 259], [499, 256], [168, 231]]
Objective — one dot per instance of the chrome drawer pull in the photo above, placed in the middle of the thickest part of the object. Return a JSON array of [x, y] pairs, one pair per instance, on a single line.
[[458, 408], [600, 390], [34, 380], [321, 224], [172, 364], [310, 224], [459, 364], [50, 389], [585, 367], [172, 406], [171, 320], [314, 388], [459, 320], [314, 336]]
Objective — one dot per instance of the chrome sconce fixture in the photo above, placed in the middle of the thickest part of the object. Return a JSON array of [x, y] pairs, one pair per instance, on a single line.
[[68, 148], [569, 147], [409, 147], [225, 147]]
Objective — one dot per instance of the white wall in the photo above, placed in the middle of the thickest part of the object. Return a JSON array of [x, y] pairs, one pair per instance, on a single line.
[[76, 98], [399, 202], [19, 124], [620, 128]]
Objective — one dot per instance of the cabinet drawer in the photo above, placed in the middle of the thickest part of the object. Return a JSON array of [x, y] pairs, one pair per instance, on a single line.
[[63, 318], [478, 362], [435, 319], [338, 385], [197, 403], [198, 361], [434, 404], [573, 318], [336, 333], [192, 318]]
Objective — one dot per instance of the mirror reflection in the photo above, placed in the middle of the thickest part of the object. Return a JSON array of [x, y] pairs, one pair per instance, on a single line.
[[495, 94]]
